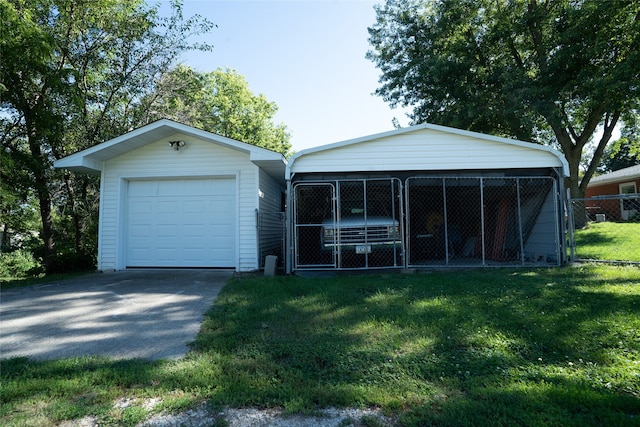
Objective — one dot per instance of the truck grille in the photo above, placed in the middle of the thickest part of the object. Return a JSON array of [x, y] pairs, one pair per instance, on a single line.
[[359, 235]]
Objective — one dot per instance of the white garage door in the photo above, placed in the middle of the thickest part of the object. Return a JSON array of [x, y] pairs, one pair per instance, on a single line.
[[181, 223]]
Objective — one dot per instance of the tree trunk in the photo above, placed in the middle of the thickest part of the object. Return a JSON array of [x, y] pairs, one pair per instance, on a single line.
[[44, 199], [5, 236], [77, 223], [39, 168]]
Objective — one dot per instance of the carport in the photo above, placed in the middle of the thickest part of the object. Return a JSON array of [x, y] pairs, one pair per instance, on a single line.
[[425, 196]]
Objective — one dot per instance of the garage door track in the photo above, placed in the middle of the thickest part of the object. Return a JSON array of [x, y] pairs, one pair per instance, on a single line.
[[146, 314]]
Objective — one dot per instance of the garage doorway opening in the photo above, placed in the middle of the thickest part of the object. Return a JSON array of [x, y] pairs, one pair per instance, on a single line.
[[348, 224], [482, 221]]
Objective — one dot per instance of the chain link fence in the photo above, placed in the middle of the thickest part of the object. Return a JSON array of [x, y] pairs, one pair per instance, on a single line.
[[271, 236], [426, 222], [602, 228], [482, 221]]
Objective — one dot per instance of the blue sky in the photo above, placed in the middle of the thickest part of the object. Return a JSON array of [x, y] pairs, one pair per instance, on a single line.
[[306, 56]]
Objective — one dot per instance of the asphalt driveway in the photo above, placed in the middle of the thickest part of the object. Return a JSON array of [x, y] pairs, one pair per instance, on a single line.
[[146, 314]]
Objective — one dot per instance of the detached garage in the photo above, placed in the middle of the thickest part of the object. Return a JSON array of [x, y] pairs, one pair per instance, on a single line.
[[425, 196], [175, 196]]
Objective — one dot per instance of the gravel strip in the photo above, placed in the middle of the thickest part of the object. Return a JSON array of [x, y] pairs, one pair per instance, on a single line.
[[203, 416], [268, 417]]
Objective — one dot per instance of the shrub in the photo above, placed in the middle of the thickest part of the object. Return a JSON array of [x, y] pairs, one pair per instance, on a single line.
[[71, 262], [18, 264]]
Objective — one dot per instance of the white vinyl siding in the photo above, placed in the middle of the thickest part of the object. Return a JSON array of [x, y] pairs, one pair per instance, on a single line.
[[270, 193], [271, 226], [199, 158], [424, 149]]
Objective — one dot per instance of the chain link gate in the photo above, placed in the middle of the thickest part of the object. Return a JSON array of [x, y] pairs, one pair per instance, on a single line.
[[313, 203], [482, 221], [348, 224]]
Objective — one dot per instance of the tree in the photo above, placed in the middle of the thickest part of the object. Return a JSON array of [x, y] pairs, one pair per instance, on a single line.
[[547, 72], [221, 102], [624, 152], [70, 72]]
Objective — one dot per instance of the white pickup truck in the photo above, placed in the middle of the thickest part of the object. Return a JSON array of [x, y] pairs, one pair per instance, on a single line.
[[361, 234]]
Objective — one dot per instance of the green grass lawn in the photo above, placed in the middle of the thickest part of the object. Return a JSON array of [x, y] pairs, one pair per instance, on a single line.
[[609, 241], [542, 347]]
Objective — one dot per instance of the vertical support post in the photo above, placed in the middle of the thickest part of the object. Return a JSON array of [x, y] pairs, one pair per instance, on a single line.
[[556, 216], [335, 208], [288, 247], [445, 220], [400, 216], [571, 219], [405, 224], [482, 221], [366, 222], [520, 234]]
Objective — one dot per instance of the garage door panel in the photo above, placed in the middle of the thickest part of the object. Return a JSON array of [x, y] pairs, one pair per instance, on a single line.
[[168, 207], [193, 254], [191, 207], [140, 230], [170, 187], [223, 255], [220, 188], [167, 230], [141, 207], [143, 189], [141, 255], [181, 223], [165, 256], [194, 230]]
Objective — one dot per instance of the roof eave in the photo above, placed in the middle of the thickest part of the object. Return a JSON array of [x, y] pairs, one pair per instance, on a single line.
[[80, 164], [92, 159], [446, 129]]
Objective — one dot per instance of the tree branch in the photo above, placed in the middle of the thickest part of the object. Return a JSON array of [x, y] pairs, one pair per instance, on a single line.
[[536, 34], [572, 131], [592, 123], [610, 123]]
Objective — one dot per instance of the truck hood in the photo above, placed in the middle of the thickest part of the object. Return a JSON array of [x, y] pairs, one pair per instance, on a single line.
[[359, 221]]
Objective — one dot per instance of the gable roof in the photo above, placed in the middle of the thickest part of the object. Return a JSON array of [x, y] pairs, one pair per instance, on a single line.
[[425, 146], [630, 173], [92, 159]]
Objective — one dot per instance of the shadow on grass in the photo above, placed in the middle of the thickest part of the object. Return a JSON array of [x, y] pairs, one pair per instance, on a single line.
[[46, 393], [510, 347], [499, 347]]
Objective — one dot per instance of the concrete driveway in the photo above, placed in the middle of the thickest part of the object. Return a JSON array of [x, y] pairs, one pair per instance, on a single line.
[[146, 314]]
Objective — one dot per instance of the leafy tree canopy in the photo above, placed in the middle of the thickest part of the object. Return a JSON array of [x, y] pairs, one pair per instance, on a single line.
[[71, 75], [219, 101], [624, 152], [543, 71]]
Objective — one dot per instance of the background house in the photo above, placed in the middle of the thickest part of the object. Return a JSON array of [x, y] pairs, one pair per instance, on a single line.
[[175, 196], [620, 183], [428, 196]]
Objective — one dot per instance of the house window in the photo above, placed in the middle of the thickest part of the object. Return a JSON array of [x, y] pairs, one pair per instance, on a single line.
[[628, 188]]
